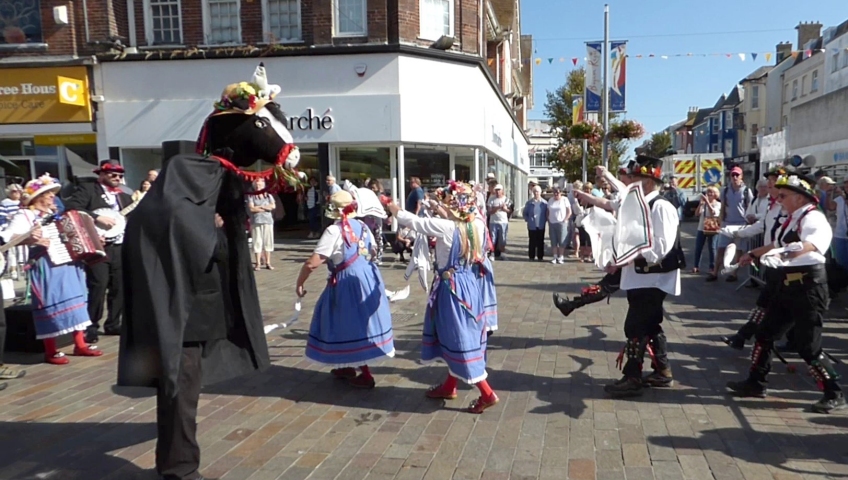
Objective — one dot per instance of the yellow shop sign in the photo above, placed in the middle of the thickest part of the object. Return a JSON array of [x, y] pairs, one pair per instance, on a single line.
[[44, 95]]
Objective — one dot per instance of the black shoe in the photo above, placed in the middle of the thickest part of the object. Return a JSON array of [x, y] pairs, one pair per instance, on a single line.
[[626, 387], [565, 306], [112, 331], [827, 405], [734, 341], [659, 379], [747, 388], [91, 336]]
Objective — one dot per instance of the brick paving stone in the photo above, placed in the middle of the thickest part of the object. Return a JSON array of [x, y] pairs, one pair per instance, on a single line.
[[553, 422]]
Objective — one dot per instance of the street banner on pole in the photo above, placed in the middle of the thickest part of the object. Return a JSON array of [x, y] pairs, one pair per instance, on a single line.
[[576, 109], [618, 72], [594, 77]]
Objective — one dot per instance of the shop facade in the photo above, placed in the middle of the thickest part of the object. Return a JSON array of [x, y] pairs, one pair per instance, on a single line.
[[46, 123], [389, 116]]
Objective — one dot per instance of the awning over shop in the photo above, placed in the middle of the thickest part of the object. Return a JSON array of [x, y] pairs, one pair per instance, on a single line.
[[135, 123]]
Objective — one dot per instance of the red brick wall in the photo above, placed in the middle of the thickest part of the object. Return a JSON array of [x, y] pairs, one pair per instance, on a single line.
[[251, 22], [60, 39], [192, 17], [140, 36]]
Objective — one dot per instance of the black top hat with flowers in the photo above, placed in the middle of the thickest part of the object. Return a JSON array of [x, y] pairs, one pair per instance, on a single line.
[[799, 183], [648, 167], [109, 166], [779, 171]]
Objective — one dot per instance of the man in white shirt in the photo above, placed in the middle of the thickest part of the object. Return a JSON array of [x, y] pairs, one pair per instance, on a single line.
[[499, 209], [758, 208], [801, 296], [647, 281]]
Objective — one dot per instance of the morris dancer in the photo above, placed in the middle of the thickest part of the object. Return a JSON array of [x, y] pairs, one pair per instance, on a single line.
[[192, 314], [800, 296], [454, 325], [58, 291], [768, 227], [351, 324], [648, 280]]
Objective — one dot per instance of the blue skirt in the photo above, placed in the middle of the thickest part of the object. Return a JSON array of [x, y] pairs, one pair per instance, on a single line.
[[59, 298], [352, 322], [453, 330], [490, 297]]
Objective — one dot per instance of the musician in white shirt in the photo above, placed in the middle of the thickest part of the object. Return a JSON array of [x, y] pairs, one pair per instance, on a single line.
[[648, 280], [801, 296], [58, 290]]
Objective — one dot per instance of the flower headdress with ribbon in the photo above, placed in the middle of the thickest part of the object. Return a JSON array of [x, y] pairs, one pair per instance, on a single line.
[[38, 186], [250, 98], [461, 201]]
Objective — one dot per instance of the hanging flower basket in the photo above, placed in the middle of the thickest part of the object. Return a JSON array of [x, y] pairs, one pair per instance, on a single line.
[[591, 131], [626, 130], [570, 152]]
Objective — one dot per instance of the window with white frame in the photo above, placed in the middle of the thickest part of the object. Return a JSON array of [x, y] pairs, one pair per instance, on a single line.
[[350, 18], [794, 89], [835, 62], [845, 60], [814, 85], [803, 85], [755, 96], [222, 22], [281, 20], [715, 125], [754, 131], [436, 18], [714, 148], [163, 23]]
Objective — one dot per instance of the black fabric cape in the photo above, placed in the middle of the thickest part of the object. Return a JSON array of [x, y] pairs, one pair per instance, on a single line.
[[170, 241]]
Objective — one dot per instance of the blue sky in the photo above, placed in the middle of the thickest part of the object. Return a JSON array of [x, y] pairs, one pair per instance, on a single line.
[[659, 92]]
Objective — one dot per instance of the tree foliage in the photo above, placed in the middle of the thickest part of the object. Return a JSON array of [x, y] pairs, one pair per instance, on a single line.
[[558, 109], [658, 146]]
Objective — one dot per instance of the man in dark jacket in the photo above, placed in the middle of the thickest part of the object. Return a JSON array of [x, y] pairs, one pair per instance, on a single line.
[[103, 199]]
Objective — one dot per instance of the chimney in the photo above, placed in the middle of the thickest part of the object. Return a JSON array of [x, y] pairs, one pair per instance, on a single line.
[[693, 112], [783, 50], [807, 32]]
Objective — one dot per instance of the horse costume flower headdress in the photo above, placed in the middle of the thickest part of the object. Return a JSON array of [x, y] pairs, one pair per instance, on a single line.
[[255, 98]]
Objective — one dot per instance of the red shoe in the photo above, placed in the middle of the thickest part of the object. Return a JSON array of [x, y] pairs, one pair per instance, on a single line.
[[88, 351], [440, 392], [344, 373], [362, 381], [58, 359], [477, 406]]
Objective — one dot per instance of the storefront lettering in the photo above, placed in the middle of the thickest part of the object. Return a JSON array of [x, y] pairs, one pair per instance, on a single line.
[[496, 139], [840, 157], [28, 89], [310, 121]]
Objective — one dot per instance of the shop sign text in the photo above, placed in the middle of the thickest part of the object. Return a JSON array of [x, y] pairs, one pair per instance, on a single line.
[[309, 121]]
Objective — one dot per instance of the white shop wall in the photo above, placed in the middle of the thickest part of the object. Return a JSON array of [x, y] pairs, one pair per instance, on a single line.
[[149, 102], [450, 103]]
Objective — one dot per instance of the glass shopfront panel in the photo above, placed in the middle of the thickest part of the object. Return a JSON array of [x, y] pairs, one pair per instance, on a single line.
[[360, 164], [464, 166], [431, 166]]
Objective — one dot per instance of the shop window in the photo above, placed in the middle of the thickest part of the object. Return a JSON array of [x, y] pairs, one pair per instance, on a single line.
[[359, 164], [281, 21], [222, 22], [350, 18], [11, 148], [814, 86], [431, 166], [163, 22], [436, 18], [463, 166], [21, 22]]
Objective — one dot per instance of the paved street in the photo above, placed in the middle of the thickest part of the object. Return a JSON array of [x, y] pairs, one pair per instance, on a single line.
[[553, 422]]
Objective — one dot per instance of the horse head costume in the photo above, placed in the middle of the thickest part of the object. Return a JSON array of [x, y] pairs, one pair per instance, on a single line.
[[246, 126]]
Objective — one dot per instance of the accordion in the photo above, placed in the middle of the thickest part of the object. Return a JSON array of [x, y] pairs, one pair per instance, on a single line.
[[74, 238]]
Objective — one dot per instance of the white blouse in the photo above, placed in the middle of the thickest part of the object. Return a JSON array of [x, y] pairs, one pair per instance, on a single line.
[[442, 229], [331, 244], [814, 229], [21, 223]]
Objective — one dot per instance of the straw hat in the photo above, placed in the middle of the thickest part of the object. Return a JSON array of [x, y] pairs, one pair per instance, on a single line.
[[39, 186], [341, 204], [799, 184]]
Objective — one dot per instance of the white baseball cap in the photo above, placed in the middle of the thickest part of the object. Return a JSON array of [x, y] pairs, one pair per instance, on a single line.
[[499, 187]]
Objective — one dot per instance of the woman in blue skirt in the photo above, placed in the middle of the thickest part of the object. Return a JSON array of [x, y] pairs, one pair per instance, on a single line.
[[486, 278], [455, 324], [59, 295], [352, 323]]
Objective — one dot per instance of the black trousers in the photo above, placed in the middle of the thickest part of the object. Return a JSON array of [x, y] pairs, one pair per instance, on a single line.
[[799, 306], [643, 321], [2, 333], [106, 285], [537, 244], [177, 450]]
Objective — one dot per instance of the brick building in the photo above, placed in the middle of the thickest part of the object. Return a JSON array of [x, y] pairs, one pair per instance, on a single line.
[[383, 89]]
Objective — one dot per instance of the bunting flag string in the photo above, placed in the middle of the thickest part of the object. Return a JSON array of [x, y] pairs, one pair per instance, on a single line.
[[743, 56]]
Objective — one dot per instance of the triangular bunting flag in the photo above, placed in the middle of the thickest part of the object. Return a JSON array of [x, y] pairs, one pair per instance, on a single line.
[[639, 56], [550, 60], [561, 59], [664, 57], [742, 57], [490, 61], [794, 54], [538, 61], [768, 57], [753, 56], [574, 61], [808, 53], [729, 55]]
